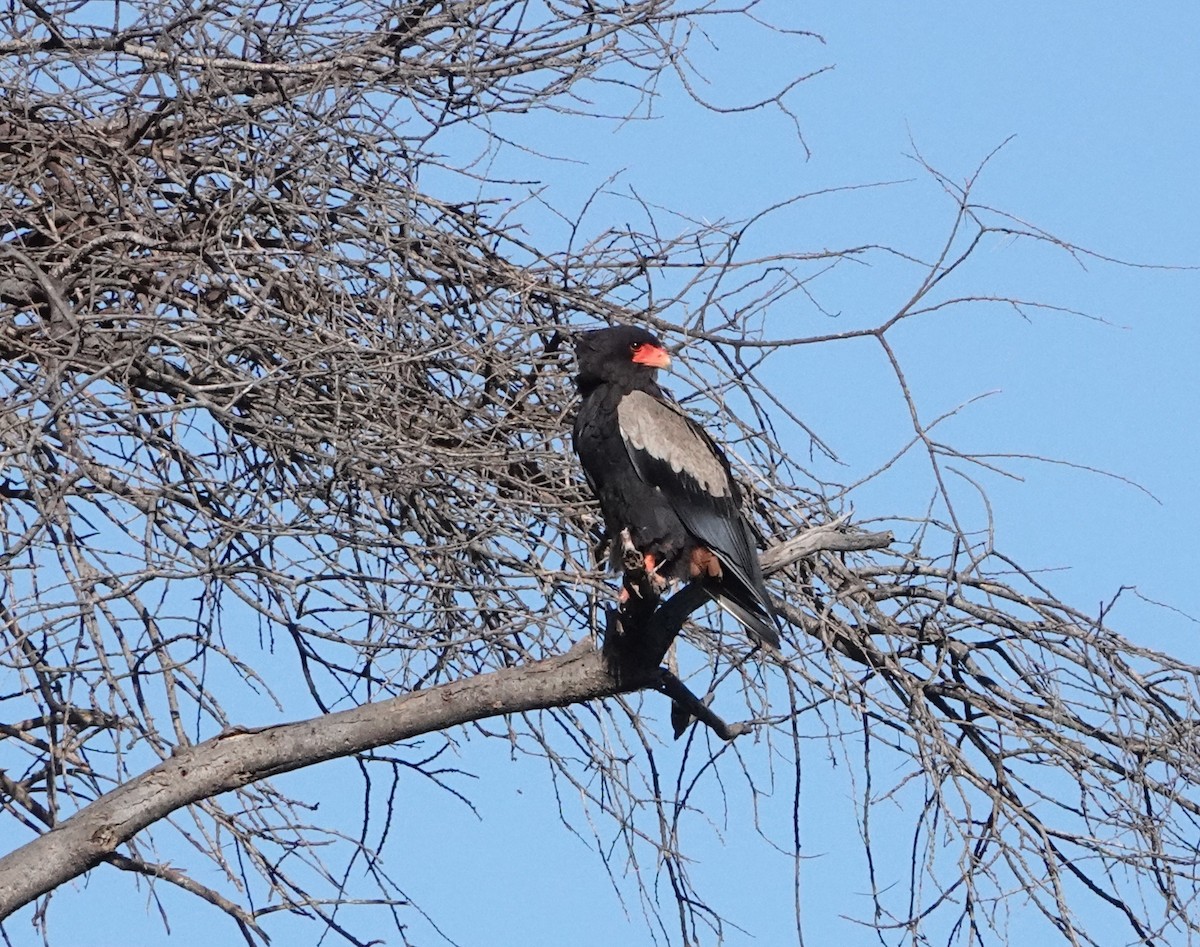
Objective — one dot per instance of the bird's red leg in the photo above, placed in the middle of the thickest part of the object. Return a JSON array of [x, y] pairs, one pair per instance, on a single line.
[[651, 565]]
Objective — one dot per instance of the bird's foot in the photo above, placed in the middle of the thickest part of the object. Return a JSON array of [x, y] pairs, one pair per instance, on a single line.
[[651, 567], [641, 571]]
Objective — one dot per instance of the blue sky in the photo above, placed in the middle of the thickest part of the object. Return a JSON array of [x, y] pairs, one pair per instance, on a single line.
[[1102, 105]]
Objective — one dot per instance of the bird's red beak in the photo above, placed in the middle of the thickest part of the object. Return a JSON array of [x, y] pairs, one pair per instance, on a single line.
[[652, 355]]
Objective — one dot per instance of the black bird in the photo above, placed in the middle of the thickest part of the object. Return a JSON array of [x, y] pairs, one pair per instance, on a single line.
[[657, 474]]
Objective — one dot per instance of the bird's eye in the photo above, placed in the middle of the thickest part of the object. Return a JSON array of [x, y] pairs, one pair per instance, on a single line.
[[635, 346]]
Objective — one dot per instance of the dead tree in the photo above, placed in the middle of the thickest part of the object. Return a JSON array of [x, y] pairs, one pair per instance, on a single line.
[[285, 396]]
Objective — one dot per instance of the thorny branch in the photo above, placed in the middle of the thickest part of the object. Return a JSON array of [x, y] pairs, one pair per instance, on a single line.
[[285, 383]]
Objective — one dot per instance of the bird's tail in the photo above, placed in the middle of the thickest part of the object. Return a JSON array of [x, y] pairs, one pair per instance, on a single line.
[[741, 605]]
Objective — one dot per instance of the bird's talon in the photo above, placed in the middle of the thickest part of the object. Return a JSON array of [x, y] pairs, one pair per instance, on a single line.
[[651, 566]]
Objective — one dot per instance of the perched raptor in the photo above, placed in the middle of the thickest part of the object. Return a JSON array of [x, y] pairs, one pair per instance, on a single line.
[[658, 475]]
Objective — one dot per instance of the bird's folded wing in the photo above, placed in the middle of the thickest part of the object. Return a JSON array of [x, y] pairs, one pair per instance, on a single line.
[[673, 453]]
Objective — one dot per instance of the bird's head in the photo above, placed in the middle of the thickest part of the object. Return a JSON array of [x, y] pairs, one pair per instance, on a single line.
[[620, 355]]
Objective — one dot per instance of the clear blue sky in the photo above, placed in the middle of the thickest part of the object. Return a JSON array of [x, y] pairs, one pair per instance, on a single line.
[[1104, 102]]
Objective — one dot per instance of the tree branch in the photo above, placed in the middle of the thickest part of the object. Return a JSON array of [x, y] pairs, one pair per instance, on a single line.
[[236, 758], [239, 757]]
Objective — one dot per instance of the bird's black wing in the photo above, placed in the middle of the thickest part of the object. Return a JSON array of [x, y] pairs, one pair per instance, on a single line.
[[673, 453]]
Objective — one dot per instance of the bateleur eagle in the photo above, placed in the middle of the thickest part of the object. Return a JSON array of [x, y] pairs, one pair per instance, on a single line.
[[657, 474]]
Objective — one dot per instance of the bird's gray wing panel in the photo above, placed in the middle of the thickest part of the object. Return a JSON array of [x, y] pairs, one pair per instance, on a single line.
[[656, 434]]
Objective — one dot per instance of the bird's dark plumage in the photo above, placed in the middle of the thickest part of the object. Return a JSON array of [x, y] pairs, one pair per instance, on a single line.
[[658, 474]]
